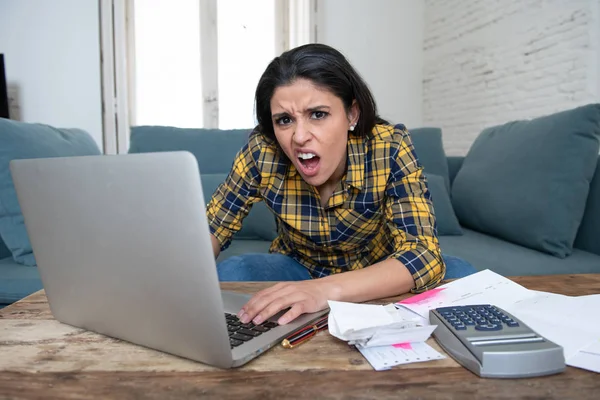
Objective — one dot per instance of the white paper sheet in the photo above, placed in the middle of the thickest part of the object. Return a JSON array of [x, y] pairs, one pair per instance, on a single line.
[[484, 287], [382, 358], [375, 325], [565, 320], [393, 336], [587, 358]]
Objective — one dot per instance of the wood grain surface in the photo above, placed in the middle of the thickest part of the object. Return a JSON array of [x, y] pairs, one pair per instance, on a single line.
[[42, 358]]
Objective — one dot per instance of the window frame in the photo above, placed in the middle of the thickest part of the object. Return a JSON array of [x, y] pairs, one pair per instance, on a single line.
[[296, 24]]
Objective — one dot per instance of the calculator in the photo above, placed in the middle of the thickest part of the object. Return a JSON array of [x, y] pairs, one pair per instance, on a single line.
[[492, 343]]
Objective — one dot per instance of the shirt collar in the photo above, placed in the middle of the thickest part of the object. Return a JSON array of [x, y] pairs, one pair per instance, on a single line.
[[355, 173]]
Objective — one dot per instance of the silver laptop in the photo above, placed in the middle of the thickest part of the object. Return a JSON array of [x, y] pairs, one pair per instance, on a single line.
[[123, 249]]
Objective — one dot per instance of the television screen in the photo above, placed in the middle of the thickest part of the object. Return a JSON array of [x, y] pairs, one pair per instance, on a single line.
[[3, 90]]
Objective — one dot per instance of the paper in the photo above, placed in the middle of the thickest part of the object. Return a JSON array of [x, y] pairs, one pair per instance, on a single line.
[[484, 287], [376, 325], [393, 336], [564, 320], [382, 358], [587, 358], [564, 334], [552, 307], [422, 296]]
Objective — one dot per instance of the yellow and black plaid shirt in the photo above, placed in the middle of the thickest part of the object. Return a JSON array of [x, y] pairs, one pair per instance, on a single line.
[[380, 209]]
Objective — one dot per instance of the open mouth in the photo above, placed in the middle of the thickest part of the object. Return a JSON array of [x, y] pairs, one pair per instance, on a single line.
[[309, 162]]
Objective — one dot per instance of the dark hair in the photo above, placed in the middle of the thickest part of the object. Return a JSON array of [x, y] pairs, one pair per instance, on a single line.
[[326, 68]]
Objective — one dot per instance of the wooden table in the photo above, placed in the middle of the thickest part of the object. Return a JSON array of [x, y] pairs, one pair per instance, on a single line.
[[42, 358]]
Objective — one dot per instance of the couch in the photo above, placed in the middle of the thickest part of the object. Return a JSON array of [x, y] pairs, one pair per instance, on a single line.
[[510, 205]]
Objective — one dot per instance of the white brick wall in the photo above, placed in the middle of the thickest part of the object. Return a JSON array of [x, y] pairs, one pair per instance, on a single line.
[[488, 62]]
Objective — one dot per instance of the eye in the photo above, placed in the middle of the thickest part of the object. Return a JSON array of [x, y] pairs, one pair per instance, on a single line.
[[285, 120], [318, 114]]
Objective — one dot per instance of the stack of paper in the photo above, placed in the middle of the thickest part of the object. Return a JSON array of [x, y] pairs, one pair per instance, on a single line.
[[385, 335], [570, 322]]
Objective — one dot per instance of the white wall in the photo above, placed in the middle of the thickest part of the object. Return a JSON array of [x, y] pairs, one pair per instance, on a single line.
[[383, 40], [486, 63], [52, 56]]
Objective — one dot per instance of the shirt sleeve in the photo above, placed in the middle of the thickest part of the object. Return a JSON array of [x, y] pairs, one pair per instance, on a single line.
[[411, 220], [233, 199]]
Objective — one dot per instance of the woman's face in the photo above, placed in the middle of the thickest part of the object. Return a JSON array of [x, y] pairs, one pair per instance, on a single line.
[[311, 126]]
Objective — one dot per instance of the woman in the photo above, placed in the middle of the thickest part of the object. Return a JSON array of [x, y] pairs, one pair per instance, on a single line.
[[345, 187]]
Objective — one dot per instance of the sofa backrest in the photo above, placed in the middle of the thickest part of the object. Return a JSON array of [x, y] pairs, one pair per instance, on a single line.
[[588, 236], [4, 251], [214, 149], [454, 164]]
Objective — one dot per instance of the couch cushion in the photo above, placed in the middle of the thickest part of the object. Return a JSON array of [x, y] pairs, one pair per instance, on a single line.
[[259, 224], [4, 251], [17, 281], [430, 151], [24, 140], [214, 149], [454, 164], [588, 237], [528, 181], [509, 259], [447, 223]]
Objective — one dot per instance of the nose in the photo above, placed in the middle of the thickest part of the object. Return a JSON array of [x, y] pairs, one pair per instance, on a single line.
[[301, 133]]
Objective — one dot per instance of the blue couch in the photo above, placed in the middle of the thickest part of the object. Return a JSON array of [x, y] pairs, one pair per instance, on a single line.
[[466, 228]]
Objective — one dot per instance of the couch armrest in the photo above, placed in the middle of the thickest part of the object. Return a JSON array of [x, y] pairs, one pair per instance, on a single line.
[[454, 164]]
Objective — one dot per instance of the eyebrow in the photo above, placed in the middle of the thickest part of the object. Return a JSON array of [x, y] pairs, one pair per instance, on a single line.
[[311, 109]]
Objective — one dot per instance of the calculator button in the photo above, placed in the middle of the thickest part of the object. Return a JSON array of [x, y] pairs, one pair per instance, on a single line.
[[488, 327], [460, 327], [512, 324]]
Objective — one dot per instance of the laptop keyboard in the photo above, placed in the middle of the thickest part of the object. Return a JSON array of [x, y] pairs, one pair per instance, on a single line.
[[240, 333]]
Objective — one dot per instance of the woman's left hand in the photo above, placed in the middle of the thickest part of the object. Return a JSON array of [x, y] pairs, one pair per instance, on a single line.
[[302, 296]]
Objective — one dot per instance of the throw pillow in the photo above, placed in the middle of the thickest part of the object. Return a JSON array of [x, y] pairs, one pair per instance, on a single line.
[[527, 181], [259, 224], [430, 152], [20, 140], [447, 223]]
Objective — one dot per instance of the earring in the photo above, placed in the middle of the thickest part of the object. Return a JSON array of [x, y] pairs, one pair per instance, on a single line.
[[351, 128]]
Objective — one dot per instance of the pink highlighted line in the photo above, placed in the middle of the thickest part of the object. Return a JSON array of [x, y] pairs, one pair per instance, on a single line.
[[422, 296]]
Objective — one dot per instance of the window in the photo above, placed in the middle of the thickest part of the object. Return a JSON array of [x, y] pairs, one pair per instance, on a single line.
[[167, 85], [191, 63], [246, 45]]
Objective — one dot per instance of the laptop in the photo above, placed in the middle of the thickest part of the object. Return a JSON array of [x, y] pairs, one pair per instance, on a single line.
[[123, 249]]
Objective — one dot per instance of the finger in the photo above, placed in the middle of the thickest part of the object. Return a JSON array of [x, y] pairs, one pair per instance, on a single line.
[[294, 312], [257, 297], [259, 301], [280, 303]]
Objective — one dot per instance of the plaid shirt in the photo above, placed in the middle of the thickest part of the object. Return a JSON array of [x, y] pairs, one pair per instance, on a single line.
[[380, 209]]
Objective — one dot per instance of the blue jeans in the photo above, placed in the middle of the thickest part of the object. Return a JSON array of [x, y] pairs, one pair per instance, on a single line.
[[278, 267]]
